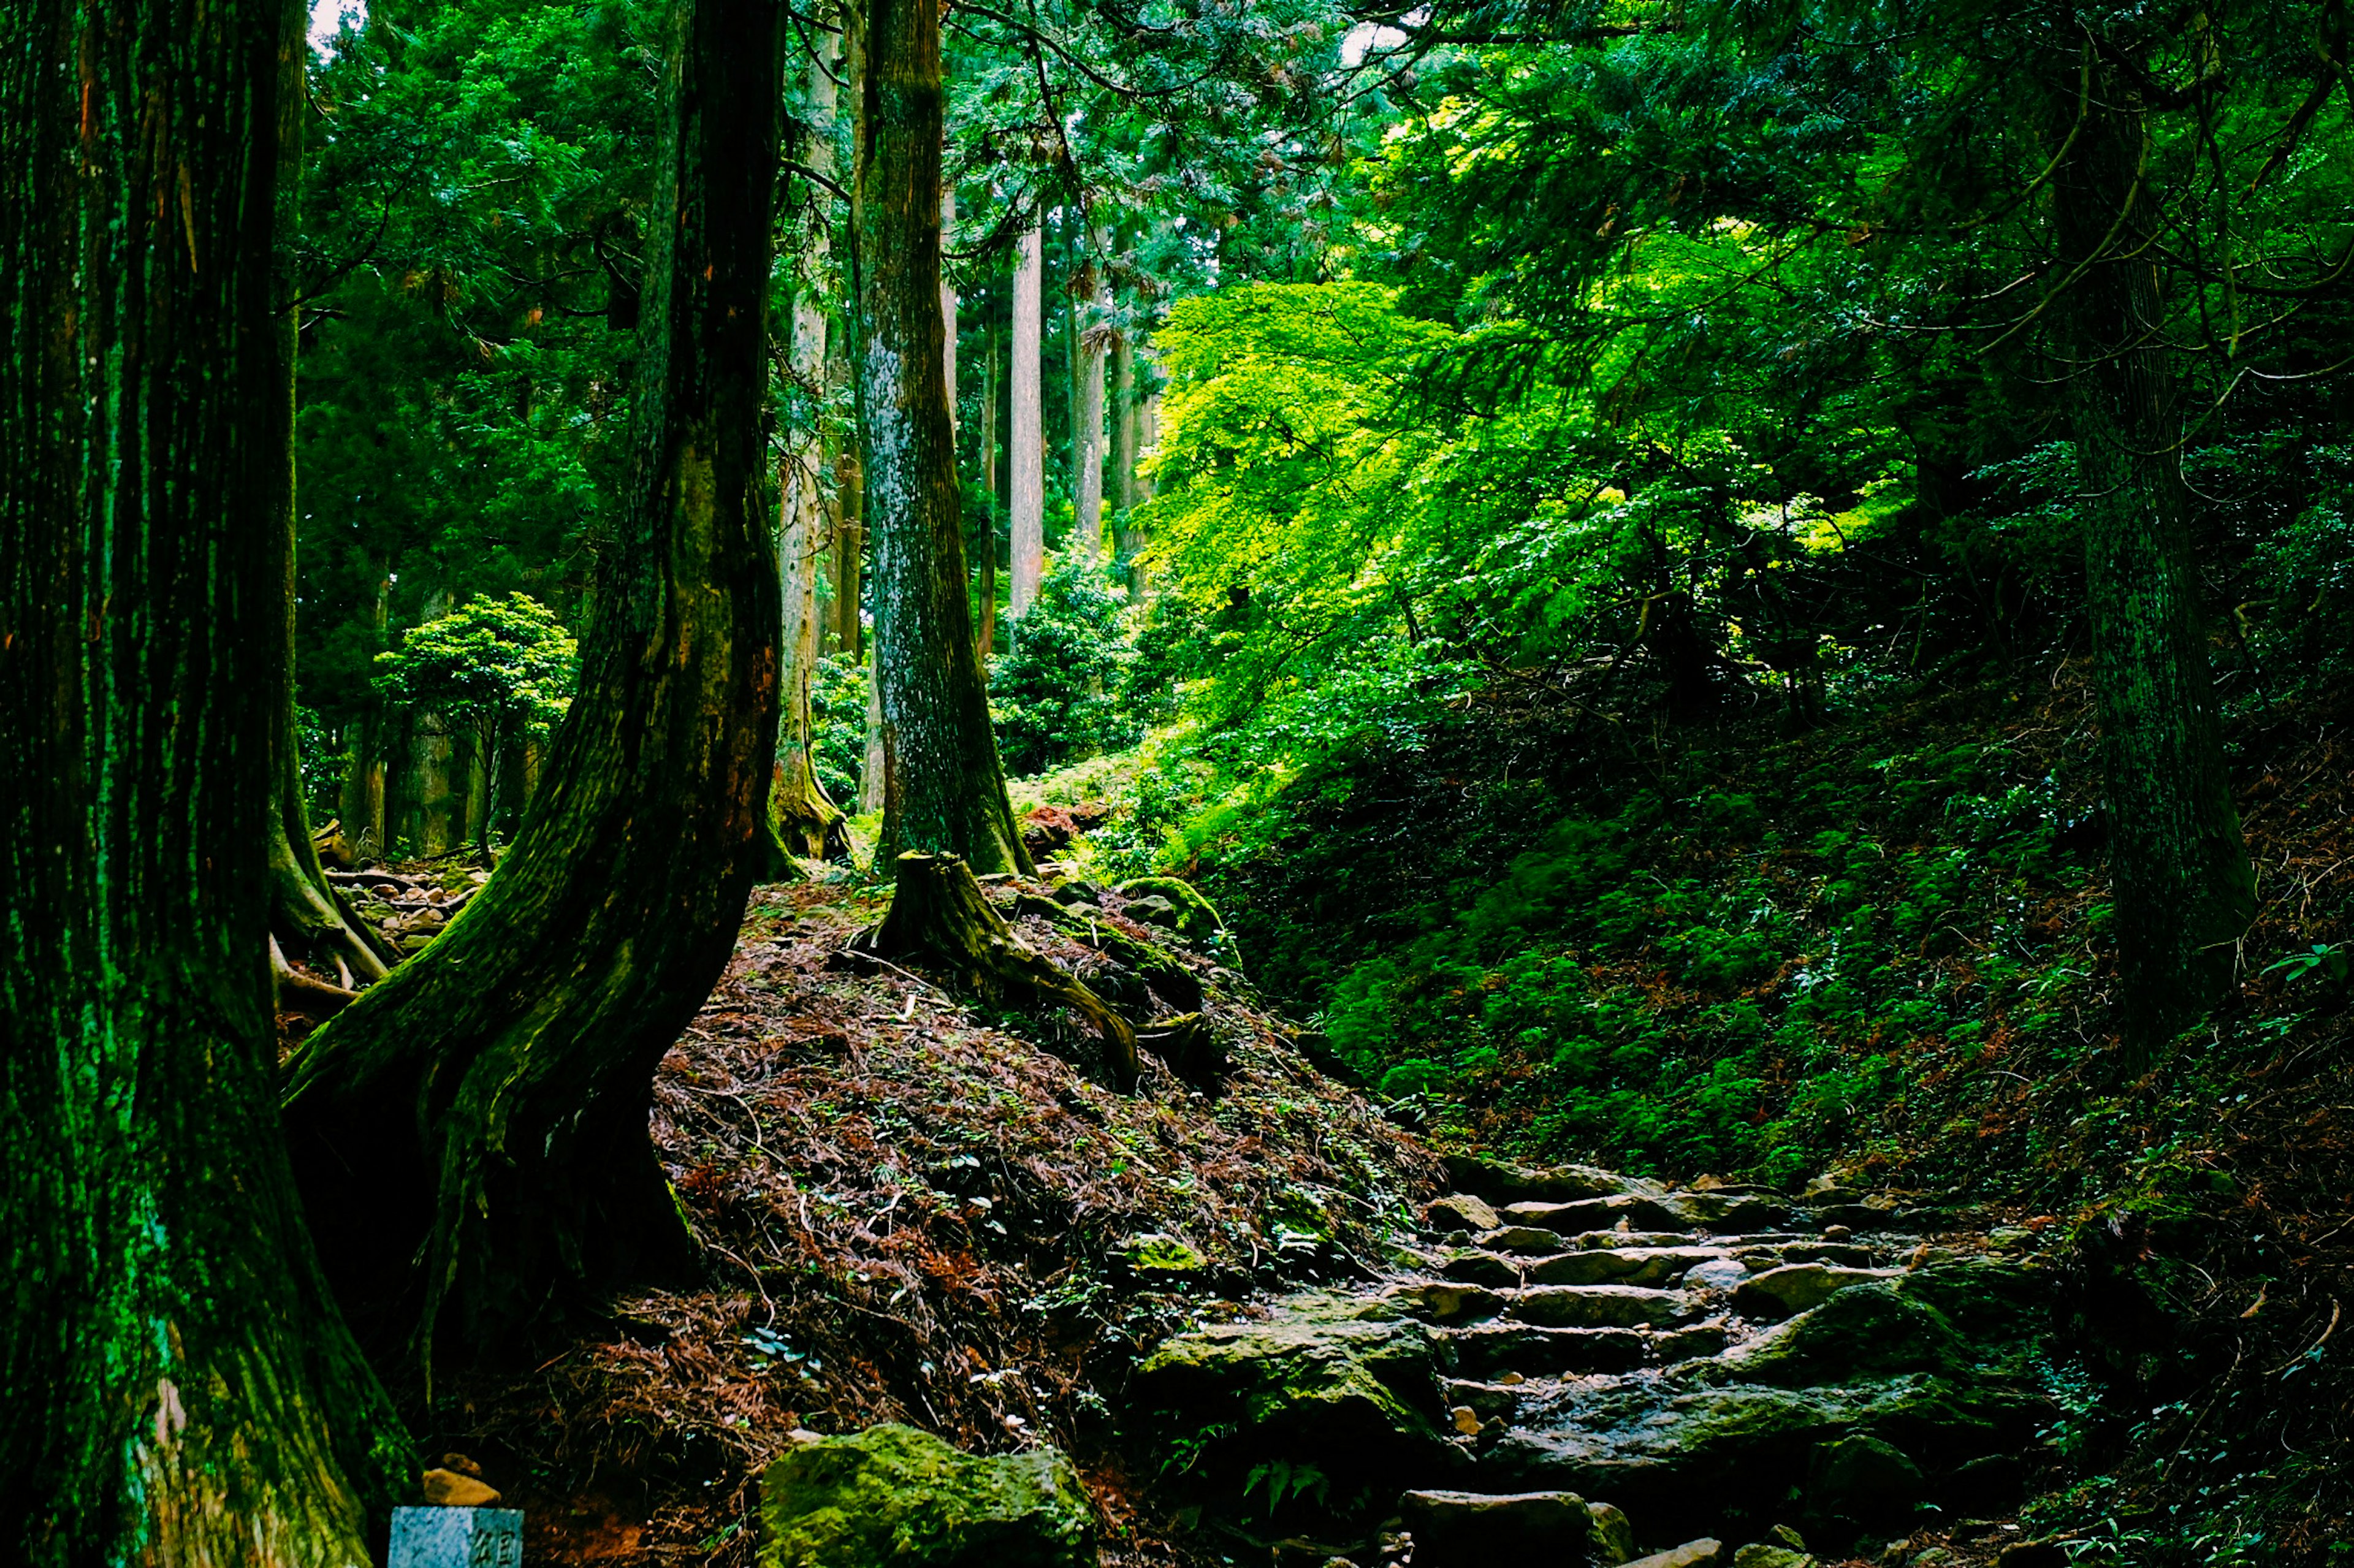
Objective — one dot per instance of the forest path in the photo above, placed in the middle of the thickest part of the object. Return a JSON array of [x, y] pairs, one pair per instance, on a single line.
[[1706, 1368]]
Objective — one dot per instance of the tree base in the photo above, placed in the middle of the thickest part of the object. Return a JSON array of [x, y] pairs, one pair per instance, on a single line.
[[938, 911]]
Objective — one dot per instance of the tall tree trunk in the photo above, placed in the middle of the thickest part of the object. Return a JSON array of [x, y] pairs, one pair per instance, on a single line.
[[987, 637], [850, 551], [1026, 451], [1126, 422], [483, 1111], [806, 820], [1088, 432], [943, 790], [2183, 889], [949, 319], [179, 1387], [309, 918]]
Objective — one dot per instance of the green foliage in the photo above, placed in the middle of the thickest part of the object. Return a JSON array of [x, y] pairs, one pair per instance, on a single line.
[[837, 725], [1055, 689], [504, 666]]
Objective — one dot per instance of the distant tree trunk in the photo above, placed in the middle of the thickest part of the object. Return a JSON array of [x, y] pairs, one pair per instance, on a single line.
[[942, 788], [806, 820], [1126, 422], [1026, 454], [987, 638], [2183, 889], [483, 1111], [1087, 438], [307, 915], [850, 552], [179, 1388], [363, 803], [949, 319]]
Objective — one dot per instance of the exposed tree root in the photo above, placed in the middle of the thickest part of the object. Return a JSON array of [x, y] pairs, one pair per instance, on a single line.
[[938, 911]]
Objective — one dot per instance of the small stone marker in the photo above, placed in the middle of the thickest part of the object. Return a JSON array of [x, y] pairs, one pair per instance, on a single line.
[[457, 1538]]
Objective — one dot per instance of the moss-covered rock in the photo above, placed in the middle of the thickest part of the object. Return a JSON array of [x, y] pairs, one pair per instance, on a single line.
[[1335, 1380], [893, 1497]]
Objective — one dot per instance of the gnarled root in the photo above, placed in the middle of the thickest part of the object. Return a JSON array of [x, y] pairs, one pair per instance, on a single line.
[[937, 912]]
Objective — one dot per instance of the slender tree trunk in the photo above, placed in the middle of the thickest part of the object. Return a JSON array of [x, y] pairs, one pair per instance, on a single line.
[[1087, 433], [2183, 889], [987, 637], [949, 318], [483, 1111], [850, 552], [309, 918], [942, 788], [1026, 454], [175, 1384], [1127, 431], [806, 820]]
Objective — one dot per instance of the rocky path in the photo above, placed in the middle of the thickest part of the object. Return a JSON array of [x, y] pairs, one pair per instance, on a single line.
[[1587, 1367]]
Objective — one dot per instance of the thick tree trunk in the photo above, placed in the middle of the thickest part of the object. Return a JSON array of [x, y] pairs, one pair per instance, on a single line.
[[2183, 889], [807, 822], [175, 1384], [943, 790], [1087, 433], [949, 319], [483, 1111], [1026, 451]]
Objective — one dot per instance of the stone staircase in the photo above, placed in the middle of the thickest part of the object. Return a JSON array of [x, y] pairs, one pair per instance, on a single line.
[[1716, 1363]]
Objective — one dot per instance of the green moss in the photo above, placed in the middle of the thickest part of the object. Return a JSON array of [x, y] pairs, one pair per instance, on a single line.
[[893, 1497]]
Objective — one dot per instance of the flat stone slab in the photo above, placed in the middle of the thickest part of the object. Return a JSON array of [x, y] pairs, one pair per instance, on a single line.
[[1599, 1307], [457, 1538], [1619, 1265], [1493, 1348]]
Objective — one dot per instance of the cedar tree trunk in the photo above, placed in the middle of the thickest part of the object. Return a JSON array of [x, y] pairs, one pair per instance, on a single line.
[[483, 1111], [2183, 888], [807, 822], [177, 1386], [1025, 447], [943, 790]]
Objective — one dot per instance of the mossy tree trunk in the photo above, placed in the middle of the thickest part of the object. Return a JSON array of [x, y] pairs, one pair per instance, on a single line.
[[2183, 887], [309, 918], [175, 1384], [483, 1111], [943, 789]]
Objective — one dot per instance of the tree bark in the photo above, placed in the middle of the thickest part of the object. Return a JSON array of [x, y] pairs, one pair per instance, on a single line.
[[1026, 454], [943, 790], [483, 1111], [175, 1384], [807, 822], [2183, 889]]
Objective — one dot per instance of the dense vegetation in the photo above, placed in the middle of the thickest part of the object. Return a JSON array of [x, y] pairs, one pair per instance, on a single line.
[[1749, 590]]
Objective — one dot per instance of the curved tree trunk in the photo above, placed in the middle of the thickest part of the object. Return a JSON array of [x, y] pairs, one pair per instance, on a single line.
[[1025, 446], [2184, 887], [175, 1384], [807, 822], [485, 1107], [942, 788]]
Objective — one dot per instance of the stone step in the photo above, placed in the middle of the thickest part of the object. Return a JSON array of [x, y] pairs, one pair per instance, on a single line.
[[1845, 1255], [1794, 1287], [1599, 1307], [1725, 1213], [1445, 1301], [1490, 1349], [1482, 1268], [1530, 1240], [1619, 1265]]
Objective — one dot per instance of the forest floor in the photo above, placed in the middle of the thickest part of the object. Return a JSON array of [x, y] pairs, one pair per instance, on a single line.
[[919, 1207]]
